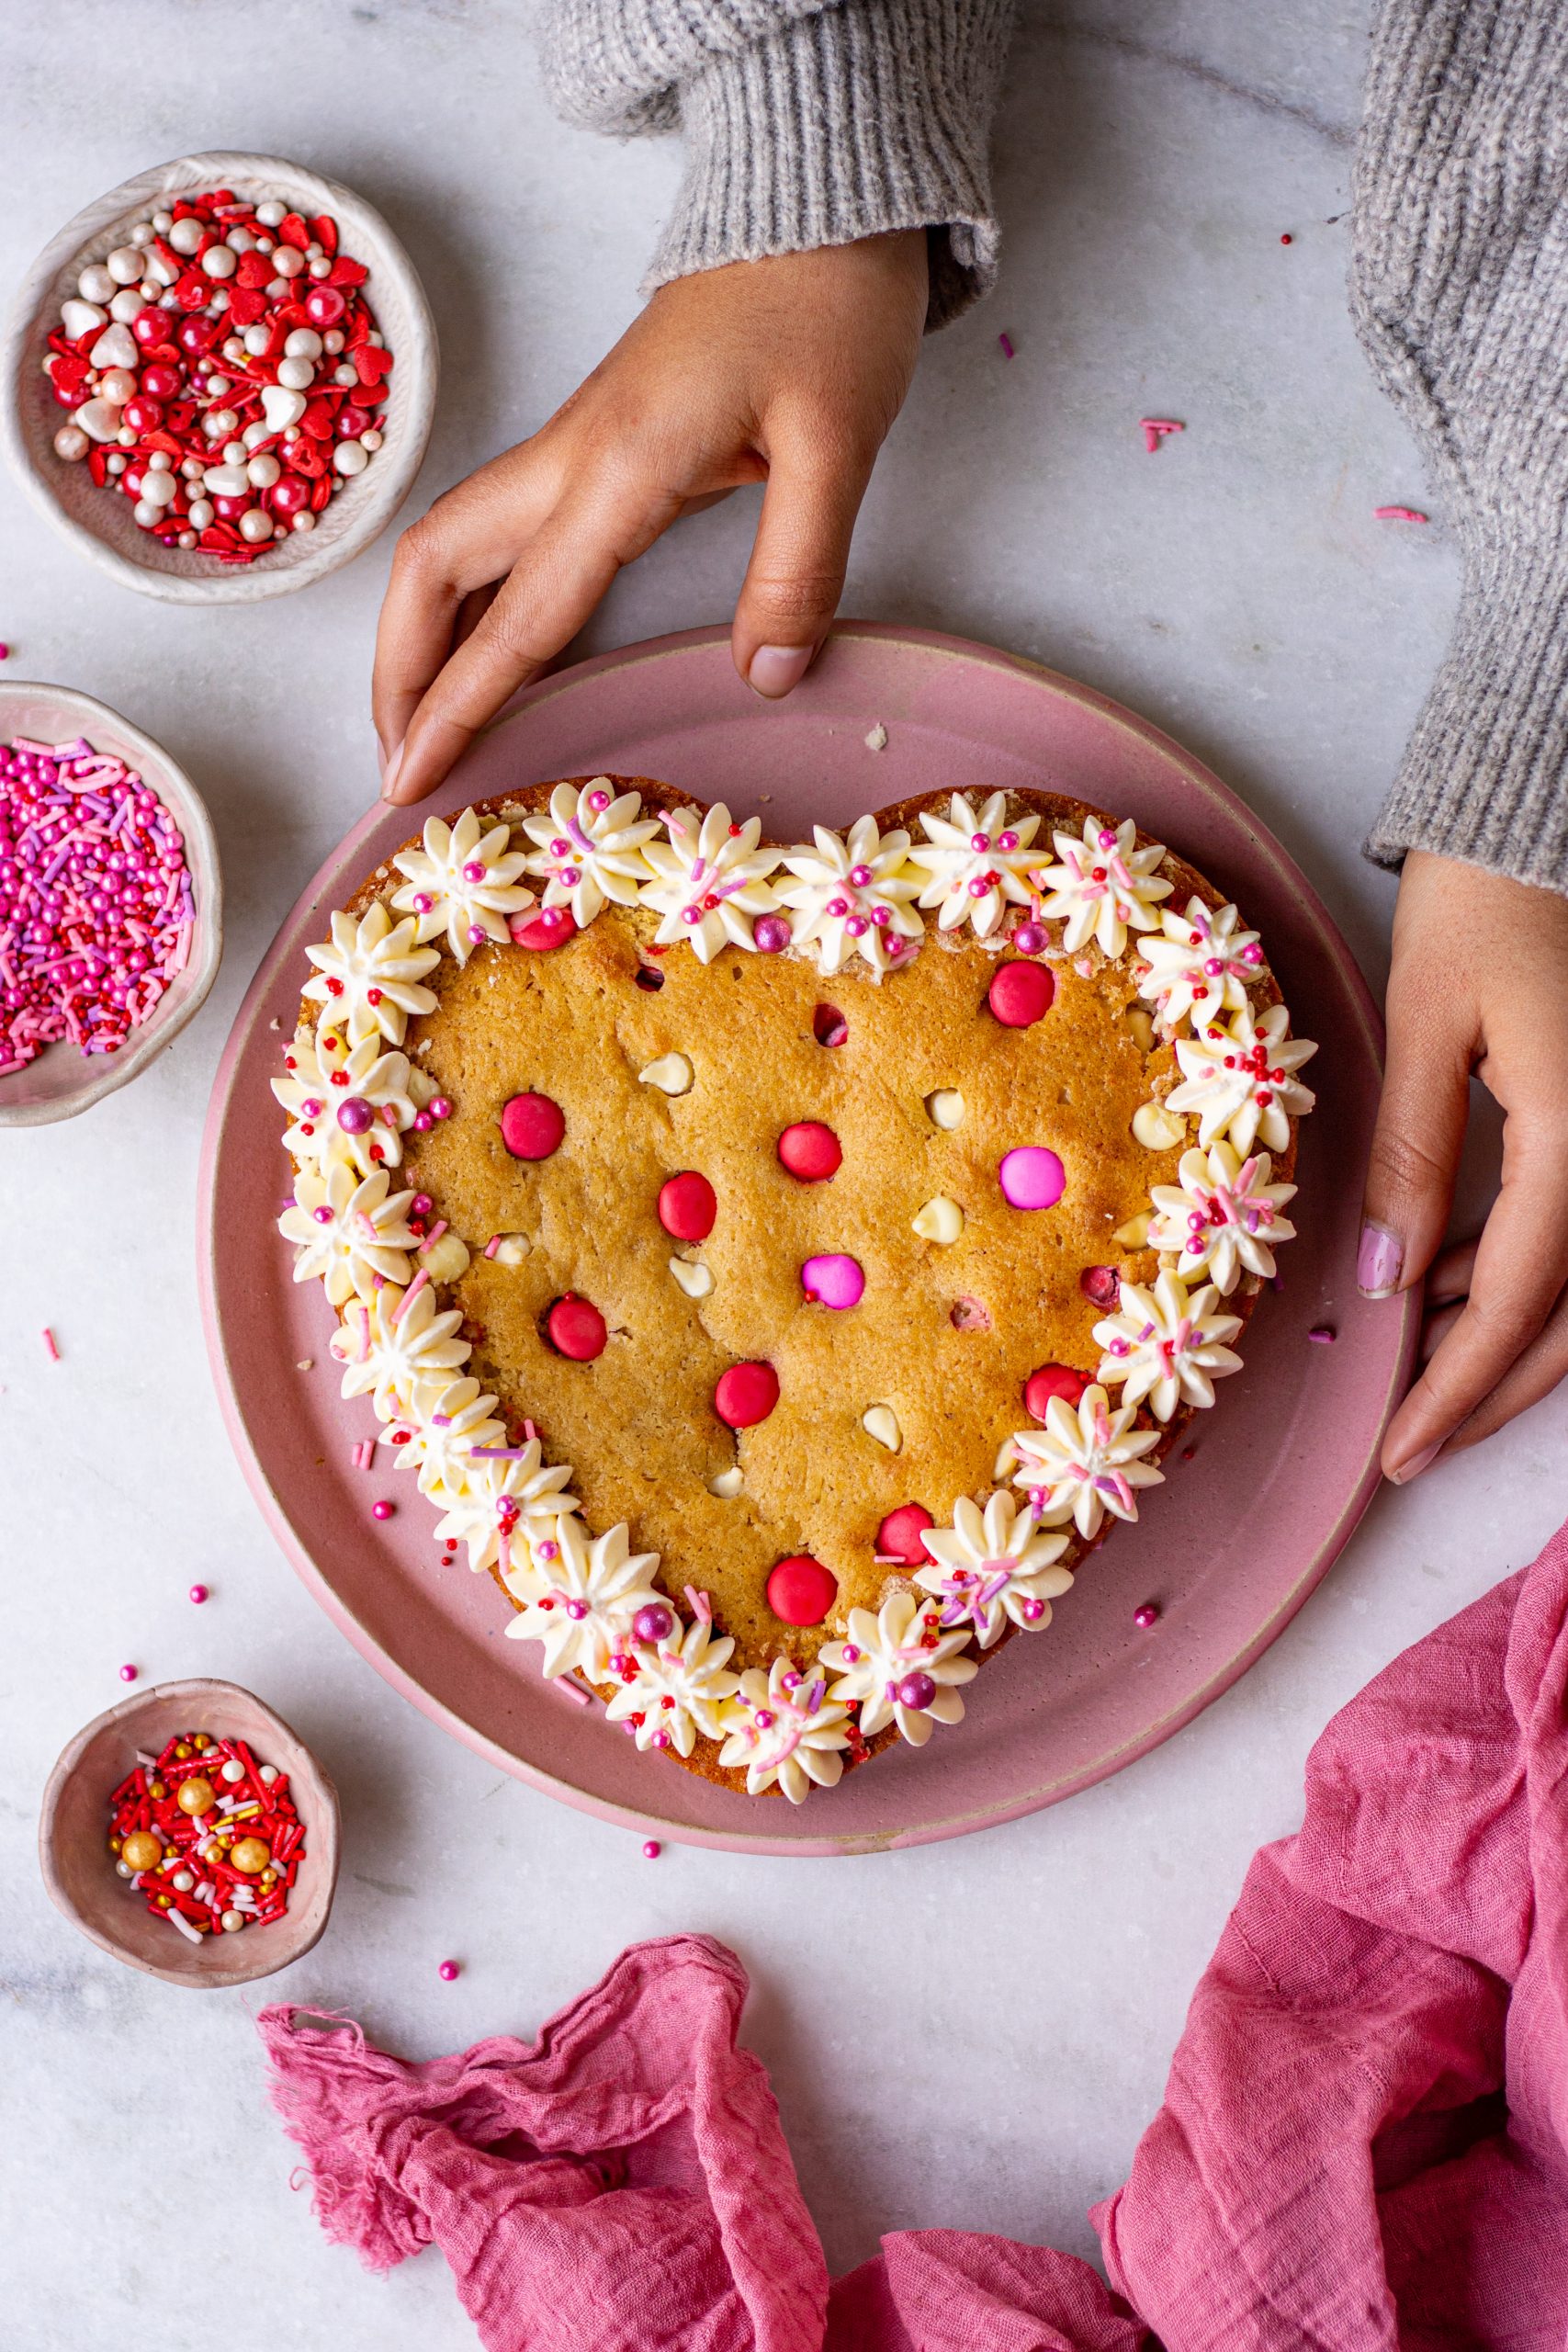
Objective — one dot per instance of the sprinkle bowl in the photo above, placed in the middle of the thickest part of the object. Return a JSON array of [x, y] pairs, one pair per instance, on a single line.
[[72, 1833], [61, 1081], [100, 525]]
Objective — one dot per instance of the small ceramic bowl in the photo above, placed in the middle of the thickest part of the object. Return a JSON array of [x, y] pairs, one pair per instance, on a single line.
[[79, 1872], [61, 1081], [101, 525]]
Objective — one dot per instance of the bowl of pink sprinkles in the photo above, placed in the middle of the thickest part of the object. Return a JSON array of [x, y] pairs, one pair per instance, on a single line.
[[110, 902]]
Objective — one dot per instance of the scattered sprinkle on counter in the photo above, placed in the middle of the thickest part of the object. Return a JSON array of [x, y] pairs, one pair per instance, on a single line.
[[206, 1836]]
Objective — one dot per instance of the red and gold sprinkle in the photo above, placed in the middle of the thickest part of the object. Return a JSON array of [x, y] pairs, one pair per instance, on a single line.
[[207, 1835]]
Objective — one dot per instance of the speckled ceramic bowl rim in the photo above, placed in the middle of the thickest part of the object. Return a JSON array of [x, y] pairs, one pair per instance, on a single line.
[[387, 482], [101, 1073]]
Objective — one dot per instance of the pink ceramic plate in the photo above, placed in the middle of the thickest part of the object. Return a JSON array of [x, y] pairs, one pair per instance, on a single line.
[[1229, 1549]]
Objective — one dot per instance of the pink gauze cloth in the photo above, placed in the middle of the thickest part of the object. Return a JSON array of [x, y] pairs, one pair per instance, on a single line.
[[1364, 2142]]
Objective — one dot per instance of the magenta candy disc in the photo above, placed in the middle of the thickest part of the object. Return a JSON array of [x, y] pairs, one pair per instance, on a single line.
[[1031, 1177], [835, 1281]]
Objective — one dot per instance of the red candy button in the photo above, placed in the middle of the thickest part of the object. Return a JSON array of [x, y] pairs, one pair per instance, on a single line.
[[1053, 1380], [531, 1127], [551, 929], [898, 1537], [687, 1206], [577, 1329], [801, 1591], [1020, 994], [811, 1151], [745, 1395]]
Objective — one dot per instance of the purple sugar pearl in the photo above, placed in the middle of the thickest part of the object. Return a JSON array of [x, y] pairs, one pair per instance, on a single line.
[[653, 1623], [916, 1691], [769, 934], [354, 1115]]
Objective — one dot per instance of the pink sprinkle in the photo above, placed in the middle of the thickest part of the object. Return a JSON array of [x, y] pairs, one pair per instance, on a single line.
[[1147, 1616], [1155, 428], [448, 1972], [382, 1509], [128, 1674], [1006, 342], [436, 1230], [492, 1245], [1323, 1335], [49, 1341], [413, 1292], [529, 1431], [700, 1605], [651, 1849], [197, 1593], [576, 1692], [1399, 514]]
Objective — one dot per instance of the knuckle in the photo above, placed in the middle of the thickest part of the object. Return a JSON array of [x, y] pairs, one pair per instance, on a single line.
[[420, 555], [1405, 1166], [795, 595]]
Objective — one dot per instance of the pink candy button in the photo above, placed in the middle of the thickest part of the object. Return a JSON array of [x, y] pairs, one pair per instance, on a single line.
[[1031, 1177], [833, 1281], [801, 1591], [532, 1126]]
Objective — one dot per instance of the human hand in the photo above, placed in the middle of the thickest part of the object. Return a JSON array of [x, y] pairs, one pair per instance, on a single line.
[[788, 371], [1479, 982]]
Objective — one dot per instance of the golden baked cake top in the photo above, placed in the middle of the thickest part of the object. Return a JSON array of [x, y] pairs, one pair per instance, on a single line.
[[780, 1265]]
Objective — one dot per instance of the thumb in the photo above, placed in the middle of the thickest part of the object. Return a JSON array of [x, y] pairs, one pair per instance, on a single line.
[[797, 573], [1419, 1134]]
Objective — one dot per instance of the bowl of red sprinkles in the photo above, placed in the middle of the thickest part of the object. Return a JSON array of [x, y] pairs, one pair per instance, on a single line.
[[190, 1833], [111, 926], [220, 378]]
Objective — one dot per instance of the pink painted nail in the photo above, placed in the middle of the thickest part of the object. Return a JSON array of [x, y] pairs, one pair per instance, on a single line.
[[1378, 1261], [1416, 1464], [775, 669]]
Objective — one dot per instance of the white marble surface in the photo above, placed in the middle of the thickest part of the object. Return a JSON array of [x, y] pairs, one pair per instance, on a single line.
[[970, 2034]]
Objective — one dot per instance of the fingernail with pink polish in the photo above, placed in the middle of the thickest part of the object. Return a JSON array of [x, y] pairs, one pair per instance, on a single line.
[[389, 773], [1416, 1464], [1378, 1262], [775, 669]]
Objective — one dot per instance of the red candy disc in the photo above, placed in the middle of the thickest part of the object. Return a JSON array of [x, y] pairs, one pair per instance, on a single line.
[[1053, 1380], [1020, 994], [898, 1537], [745, 1395], [553, 928], [687, 1206], [531, 1127], [811, 1151], [577, 1329], [801, 1591]]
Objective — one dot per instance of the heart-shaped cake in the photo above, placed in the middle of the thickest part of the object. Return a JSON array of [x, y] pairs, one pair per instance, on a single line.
[[780, 1266]]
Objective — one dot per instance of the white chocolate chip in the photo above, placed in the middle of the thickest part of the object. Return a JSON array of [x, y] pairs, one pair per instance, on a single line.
[[512, 1248], [694, 1278], [447, 1260], [727, 1485], [882, 1424], [940, 1220], [1155, 1127], [1134, 1234], [877, 739], [945, 1108], [671, 1073], [1140, 1027]]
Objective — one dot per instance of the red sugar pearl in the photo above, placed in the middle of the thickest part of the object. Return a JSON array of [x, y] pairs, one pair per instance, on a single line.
[[532, 1126], [577, 1329], [801, 1591], [898, 1537], [1020, 994], [687, 1206], [811, 1151], [1053, 1380], [745, 1395]]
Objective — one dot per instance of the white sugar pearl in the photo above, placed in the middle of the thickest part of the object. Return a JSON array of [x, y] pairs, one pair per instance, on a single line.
[[80, 318], [346, 374], [125, 438], [370, 439], [333, 339], [72, 443], [96, 284], [122, 1869], [183, 1882], [262, 473], [276, 288], [239, 240], [297, 374], [265, 245], [127, 305], [117, 463], [312, 250], [287, 262], [217, 386], [163, 222], [146, 515], [321, 267], [232, 1922], [269, 1771], [304, 520], [186, 539], [303, 344], [220, 298], [350, 457], [143, 233], [124, 264], [221, 423], [233, 1770], [191, 468], [254, 433], [160, 462], [147, 290], [186, 235], [219, 261], [234, 453], [271, 214], [375, 337], [254, 525], [256, 340], [116, 385], [234, 349], [200, 513]]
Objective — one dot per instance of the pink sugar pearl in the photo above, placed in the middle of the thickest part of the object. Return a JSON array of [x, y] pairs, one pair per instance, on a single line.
[[448, 1970], [833, 1281], [1031, 1177]]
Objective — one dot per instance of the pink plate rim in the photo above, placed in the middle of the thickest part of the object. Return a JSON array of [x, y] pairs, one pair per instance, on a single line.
[[648, 1820]]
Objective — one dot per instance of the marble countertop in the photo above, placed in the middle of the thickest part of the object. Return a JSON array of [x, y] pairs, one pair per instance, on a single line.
[[1234, 588]]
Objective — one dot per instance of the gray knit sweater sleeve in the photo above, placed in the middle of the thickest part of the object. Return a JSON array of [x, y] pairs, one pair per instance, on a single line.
[[1459, 287], [806, 122]]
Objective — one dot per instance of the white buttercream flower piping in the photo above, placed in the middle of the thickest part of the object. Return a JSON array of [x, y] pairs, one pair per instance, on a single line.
[[976, 864], [581, 1604], [505, 1506], [1239, 1077], [589, 845], [1223, 1220], [1166, 1346], [994, 1565], [463, 882], [901, 1669], [852, 898], [783, 1726], [709, 880], [1086, 1461], [671, 1693], [349, 1231], [1201, 965], [390, 1343], [368, 975], [1103, 886], [444, 1422], [371, 1087]]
